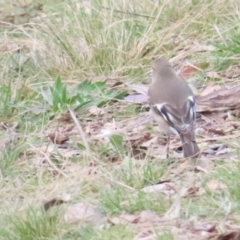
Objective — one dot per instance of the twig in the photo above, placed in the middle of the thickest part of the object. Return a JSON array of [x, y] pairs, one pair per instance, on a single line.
[[80, 131]]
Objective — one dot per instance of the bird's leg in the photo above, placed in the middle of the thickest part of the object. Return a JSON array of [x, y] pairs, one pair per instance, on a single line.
[[167, 145]]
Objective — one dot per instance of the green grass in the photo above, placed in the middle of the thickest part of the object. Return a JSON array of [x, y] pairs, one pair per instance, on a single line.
[[34, 225], [64, 55]]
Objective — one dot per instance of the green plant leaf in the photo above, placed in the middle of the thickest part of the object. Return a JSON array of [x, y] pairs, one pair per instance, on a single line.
[[116, 140], [81, 146]]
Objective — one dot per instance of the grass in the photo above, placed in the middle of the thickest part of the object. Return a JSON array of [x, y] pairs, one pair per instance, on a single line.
[[63, 55], [36, 224]]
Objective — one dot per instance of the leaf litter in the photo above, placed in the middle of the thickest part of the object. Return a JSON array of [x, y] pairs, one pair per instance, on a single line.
[[136, 134], [98, 127], [217, 129], [216, 107]]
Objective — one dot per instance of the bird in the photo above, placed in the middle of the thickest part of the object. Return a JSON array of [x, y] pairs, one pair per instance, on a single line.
[[172, 103]]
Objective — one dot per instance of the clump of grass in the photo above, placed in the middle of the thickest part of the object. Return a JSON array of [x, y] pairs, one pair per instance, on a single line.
[[34, 224], [70, 55], [91, 232], [120, 200], [137, 176]]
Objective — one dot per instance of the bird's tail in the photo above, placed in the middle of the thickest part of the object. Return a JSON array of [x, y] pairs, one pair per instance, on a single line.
[[189, 145]]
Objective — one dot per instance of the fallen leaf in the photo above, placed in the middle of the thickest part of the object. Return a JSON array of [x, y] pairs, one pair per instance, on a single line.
[[94, 110], [203, 48], [191, 192], [206, 230], [232, 71], [188, 71], [58, 137], [187, 164], [54, 202], [7, 139], [146, 216], [69, 153], [220, 100], [167, 188], [192, 69], [201, 168], [232, 136], [209, 89], [83, 212], [174, 211], [137, 98], [224, 151], [65, 117], [218, 149], [149, 142], [123, 218], [215, 185], [230, 236], [213, 75], [138, 152]]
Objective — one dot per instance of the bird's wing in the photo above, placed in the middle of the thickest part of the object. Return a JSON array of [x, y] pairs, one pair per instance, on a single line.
[[180, 120]]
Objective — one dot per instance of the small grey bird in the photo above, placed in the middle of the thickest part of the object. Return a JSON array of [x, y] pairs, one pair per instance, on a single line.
[[173, 106]]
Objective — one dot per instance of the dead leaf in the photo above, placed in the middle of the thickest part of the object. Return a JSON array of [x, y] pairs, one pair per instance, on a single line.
[[215, 125], [55, 202], [224, 151], [69, 152], [187, 164], [174, 211], [232, 71], [146, 216], [188, 71], [193, 191], [65, 117], [232, 136], [83, 212], [52, 203], [213, 75], [215, 185], [167, 188], [138, 152], [137, 98], [149, 142], [203, 48], [218, 149], [94, 110], [136, 124], [123, 218], [207, 230], [199, 131], [230, 236], [220, 100], [7, 139], [209, 89], [192, 69], [200, 168], [19, 14], [58, 137]]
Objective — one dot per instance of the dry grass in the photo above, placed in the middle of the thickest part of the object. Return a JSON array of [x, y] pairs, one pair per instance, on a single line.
[[112, 41]]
